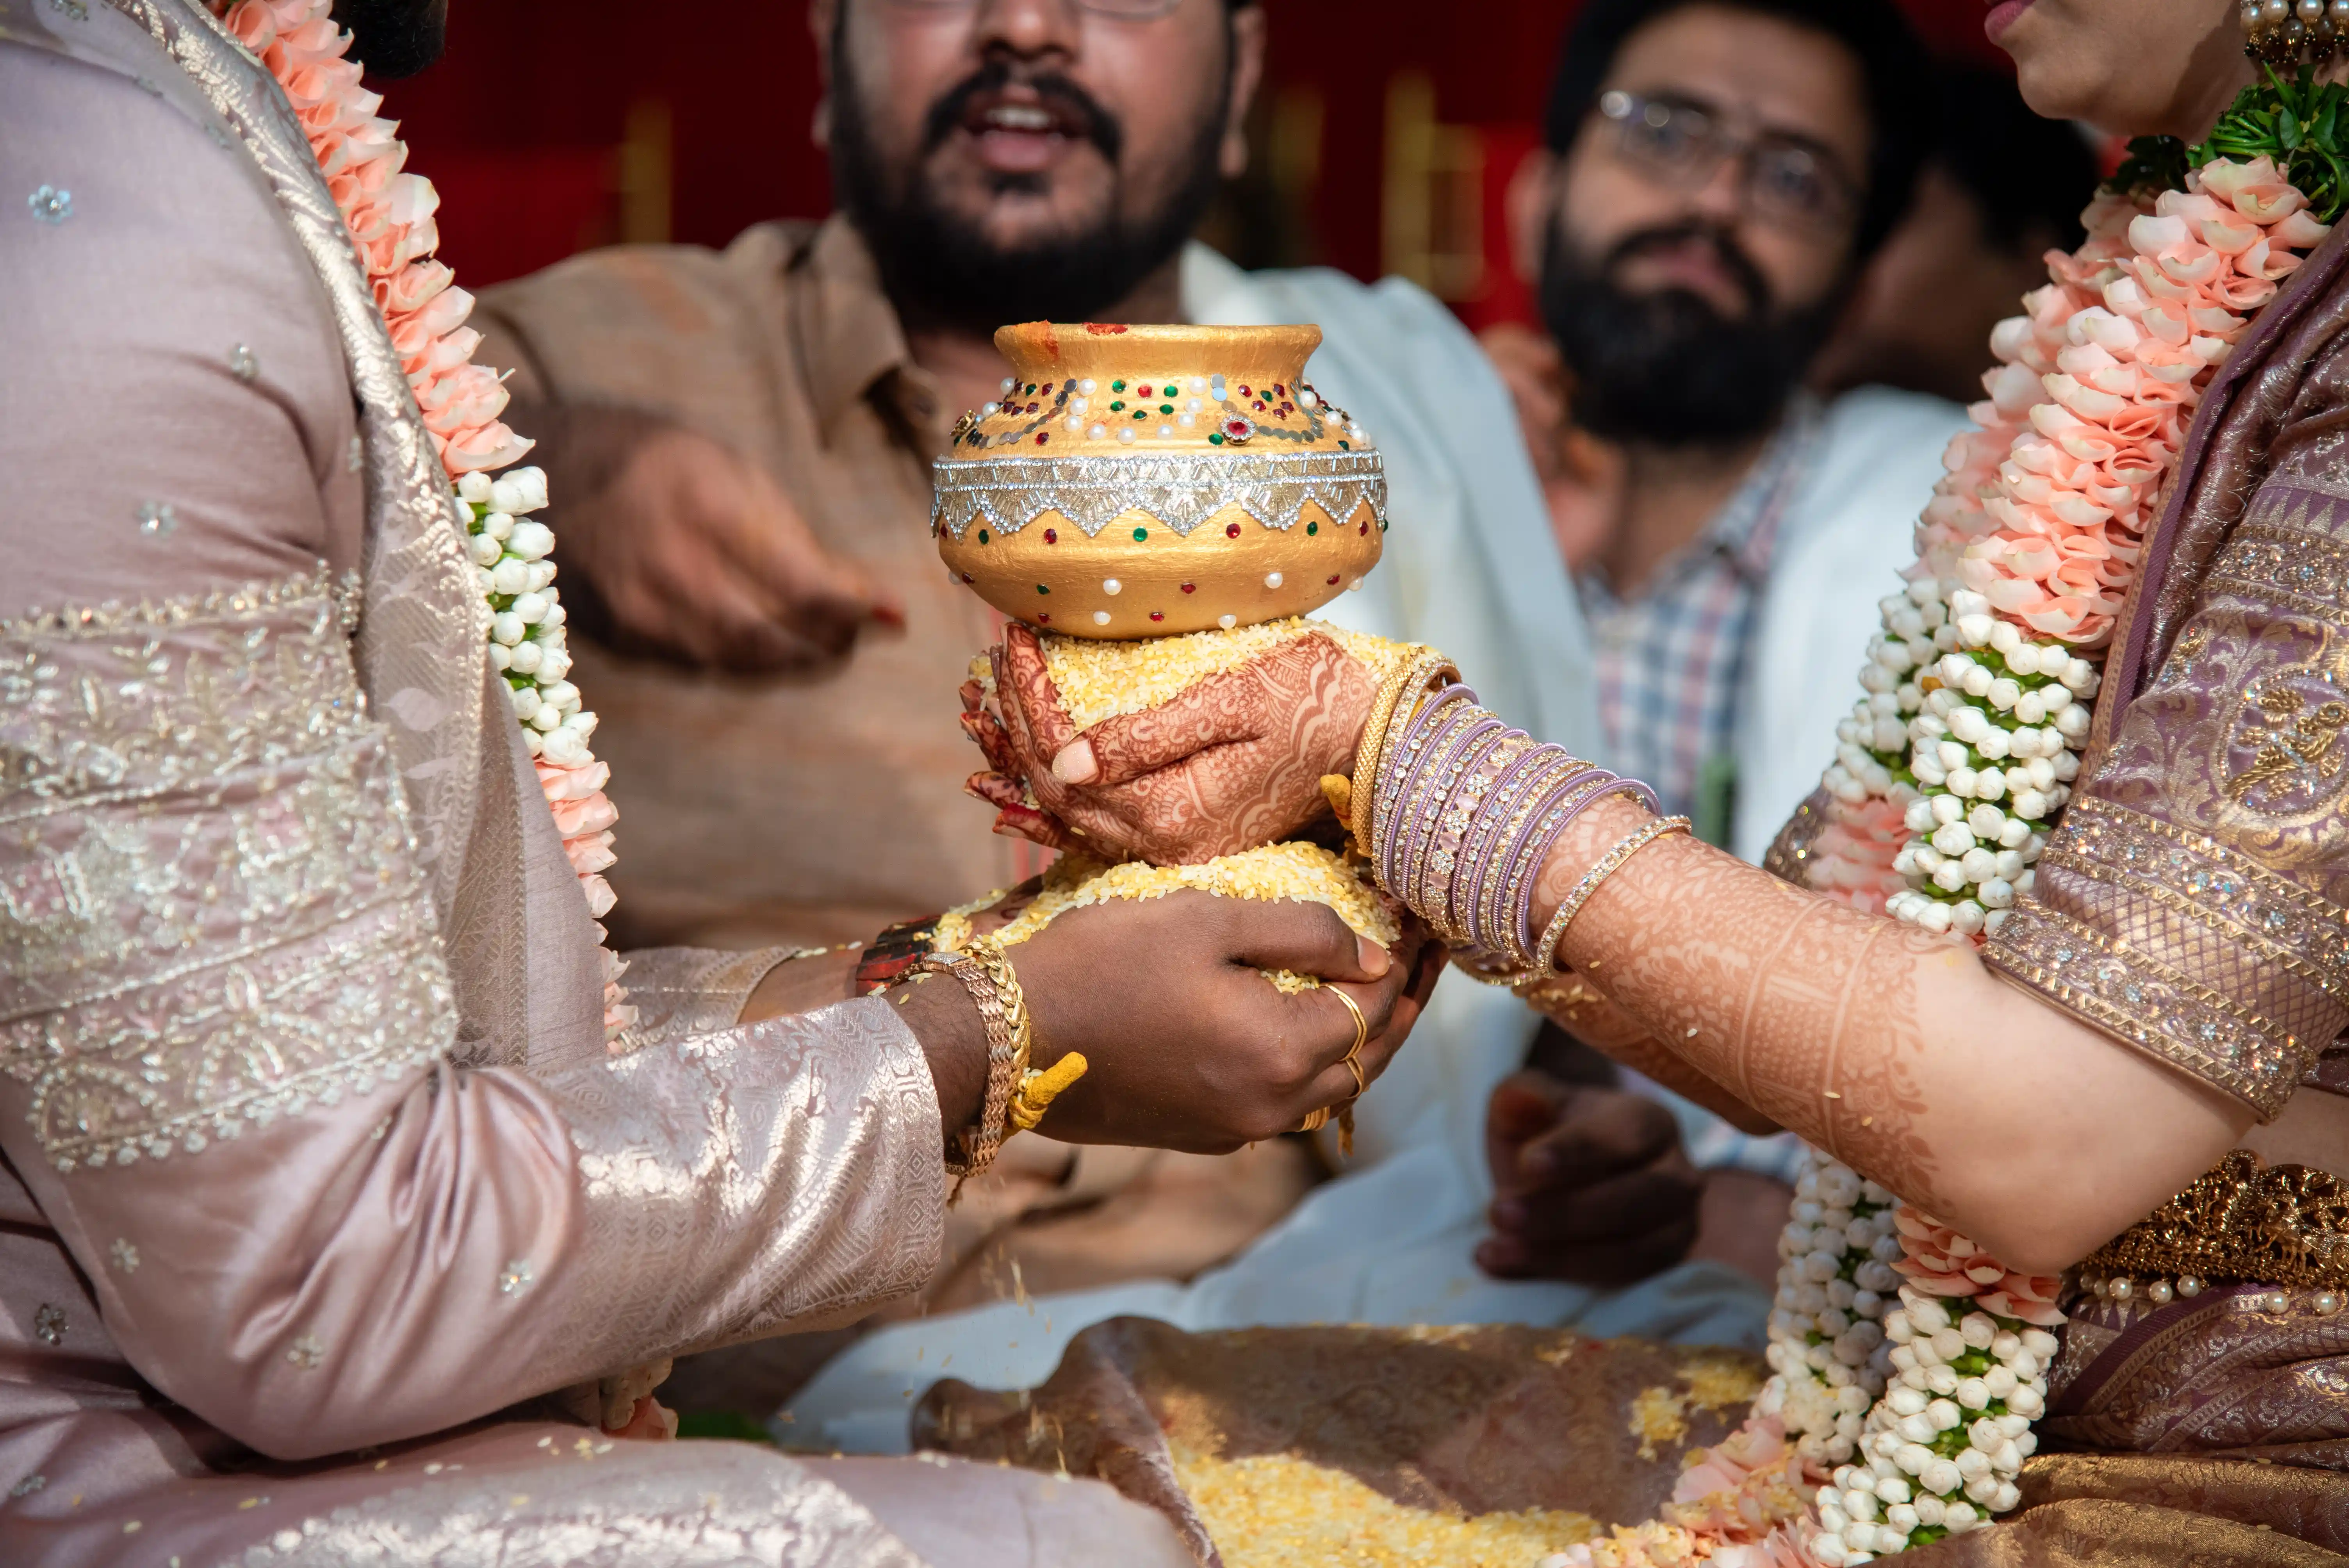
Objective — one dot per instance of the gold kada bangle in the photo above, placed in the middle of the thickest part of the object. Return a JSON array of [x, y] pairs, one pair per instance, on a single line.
[[1613, 860], [1004, 1059], [1418, 669], [1032, 1092]]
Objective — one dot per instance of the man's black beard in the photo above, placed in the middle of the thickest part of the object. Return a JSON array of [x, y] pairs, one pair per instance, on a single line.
[[395, 38], [1667, 368], [941, 267]]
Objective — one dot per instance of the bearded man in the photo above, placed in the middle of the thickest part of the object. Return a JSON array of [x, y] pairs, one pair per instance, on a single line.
[[348, 1213]]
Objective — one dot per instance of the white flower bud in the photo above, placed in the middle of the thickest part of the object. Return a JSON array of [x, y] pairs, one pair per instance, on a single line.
[[1860, 1504], [2031, 805], [1962, 780], [1919, 818], [507, 496], [1978, 680], [1996, 893], [2007, 1496], [2026, 1402], [1953, 837], [2073, 722], [531, 607], [524, 658], [1993, 746], [2031, 708], [2080, 679], [2040, 1343], [562, 694], [1966, 916], [548, 715], [540, 574], [1942, 1478], [1977, 1329], [498, 525], [500, 656], [1902, 1517], [1918, 1428], [1944, 1415], [529, 485], [511, 576], [507, 627], [1928, 1509], [1912, 1457], [566, 748], [473, 488], [1975, 631], [530, 540], [525, 703], [1905, 1402], [2023, 658], [483, 550]]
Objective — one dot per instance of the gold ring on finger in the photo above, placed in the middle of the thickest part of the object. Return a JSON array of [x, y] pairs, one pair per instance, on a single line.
[[1362, 1025]]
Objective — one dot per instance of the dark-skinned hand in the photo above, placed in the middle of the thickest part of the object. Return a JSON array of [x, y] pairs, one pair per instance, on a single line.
[[1590, 1186], [1188, 1045]]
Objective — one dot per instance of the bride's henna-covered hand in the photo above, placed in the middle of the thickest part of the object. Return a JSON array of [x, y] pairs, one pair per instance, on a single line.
[[1232, 762]]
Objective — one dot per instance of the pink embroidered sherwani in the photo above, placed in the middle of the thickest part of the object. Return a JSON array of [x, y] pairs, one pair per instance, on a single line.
[[313, 1159]]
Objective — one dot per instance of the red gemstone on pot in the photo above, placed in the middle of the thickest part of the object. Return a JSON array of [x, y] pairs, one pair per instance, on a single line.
[[1044, 617], [1157, 616], [1190, 588], [1333, 582], [1231, 531], [1053, 535]]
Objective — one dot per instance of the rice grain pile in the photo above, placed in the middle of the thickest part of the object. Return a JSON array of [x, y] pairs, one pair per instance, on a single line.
[[1305, 873], [1277, 1511]]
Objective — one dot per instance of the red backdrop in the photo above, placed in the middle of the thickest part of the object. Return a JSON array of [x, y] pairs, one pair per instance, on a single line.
[[553, 125]]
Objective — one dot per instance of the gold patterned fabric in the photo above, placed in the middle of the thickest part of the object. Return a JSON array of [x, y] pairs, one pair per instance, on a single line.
[[208, 887], [2192, 901]]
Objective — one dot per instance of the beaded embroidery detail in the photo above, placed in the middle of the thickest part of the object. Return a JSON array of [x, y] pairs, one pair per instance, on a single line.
[[1181, 491], [2135, 997], [209, 896]]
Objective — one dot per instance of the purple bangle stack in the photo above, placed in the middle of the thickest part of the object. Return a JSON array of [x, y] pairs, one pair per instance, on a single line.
[[1464, 811]]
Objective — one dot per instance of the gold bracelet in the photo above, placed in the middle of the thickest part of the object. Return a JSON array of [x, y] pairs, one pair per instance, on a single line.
[[980, 1143], [1638, 838], [1422, 665]]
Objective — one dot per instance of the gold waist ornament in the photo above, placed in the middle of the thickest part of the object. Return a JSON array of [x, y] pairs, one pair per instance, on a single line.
[[2285, 1226]]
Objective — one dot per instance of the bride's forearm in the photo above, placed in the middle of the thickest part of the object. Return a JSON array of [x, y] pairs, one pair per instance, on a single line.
[[1895, 1051], [1583, 1012]]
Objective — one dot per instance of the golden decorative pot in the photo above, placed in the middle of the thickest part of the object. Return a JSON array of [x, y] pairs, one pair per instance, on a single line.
[[1140, 481]]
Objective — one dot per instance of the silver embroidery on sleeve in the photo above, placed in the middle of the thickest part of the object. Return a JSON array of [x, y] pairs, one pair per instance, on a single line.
[[210, 908]]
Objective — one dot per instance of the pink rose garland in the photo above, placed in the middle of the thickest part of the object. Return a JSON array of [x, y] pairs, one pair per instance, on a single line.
[[390, 214]]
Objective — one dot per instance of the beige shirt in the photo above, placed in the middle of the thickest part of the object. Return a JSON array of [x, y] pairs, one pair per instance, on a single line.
[[812, 810]]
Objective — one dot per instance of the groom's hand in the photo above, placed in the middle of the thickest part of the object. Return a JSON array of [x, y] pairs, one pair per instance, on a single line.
[[1589, 1184], [1187, 1046]]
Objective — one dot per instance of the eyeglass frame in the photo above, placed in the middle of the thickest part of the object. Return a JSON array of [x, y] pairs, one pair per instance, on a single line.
[[1617, 106], [1157, 10]]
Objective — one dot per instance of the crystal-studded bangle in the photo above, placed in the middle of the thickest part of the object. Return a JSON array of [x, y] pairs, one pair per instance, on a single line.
[[1434, 850], [1414, 760], [1613, 860], [1517, 819], [1534, 771], [980, 1143], [1457, 817], [1429, 752], [1395, 755]]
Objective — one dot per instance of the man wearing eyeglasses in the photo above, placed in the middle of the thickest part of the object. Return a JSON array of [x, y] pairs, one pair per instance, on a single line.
[[1716, 174]]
